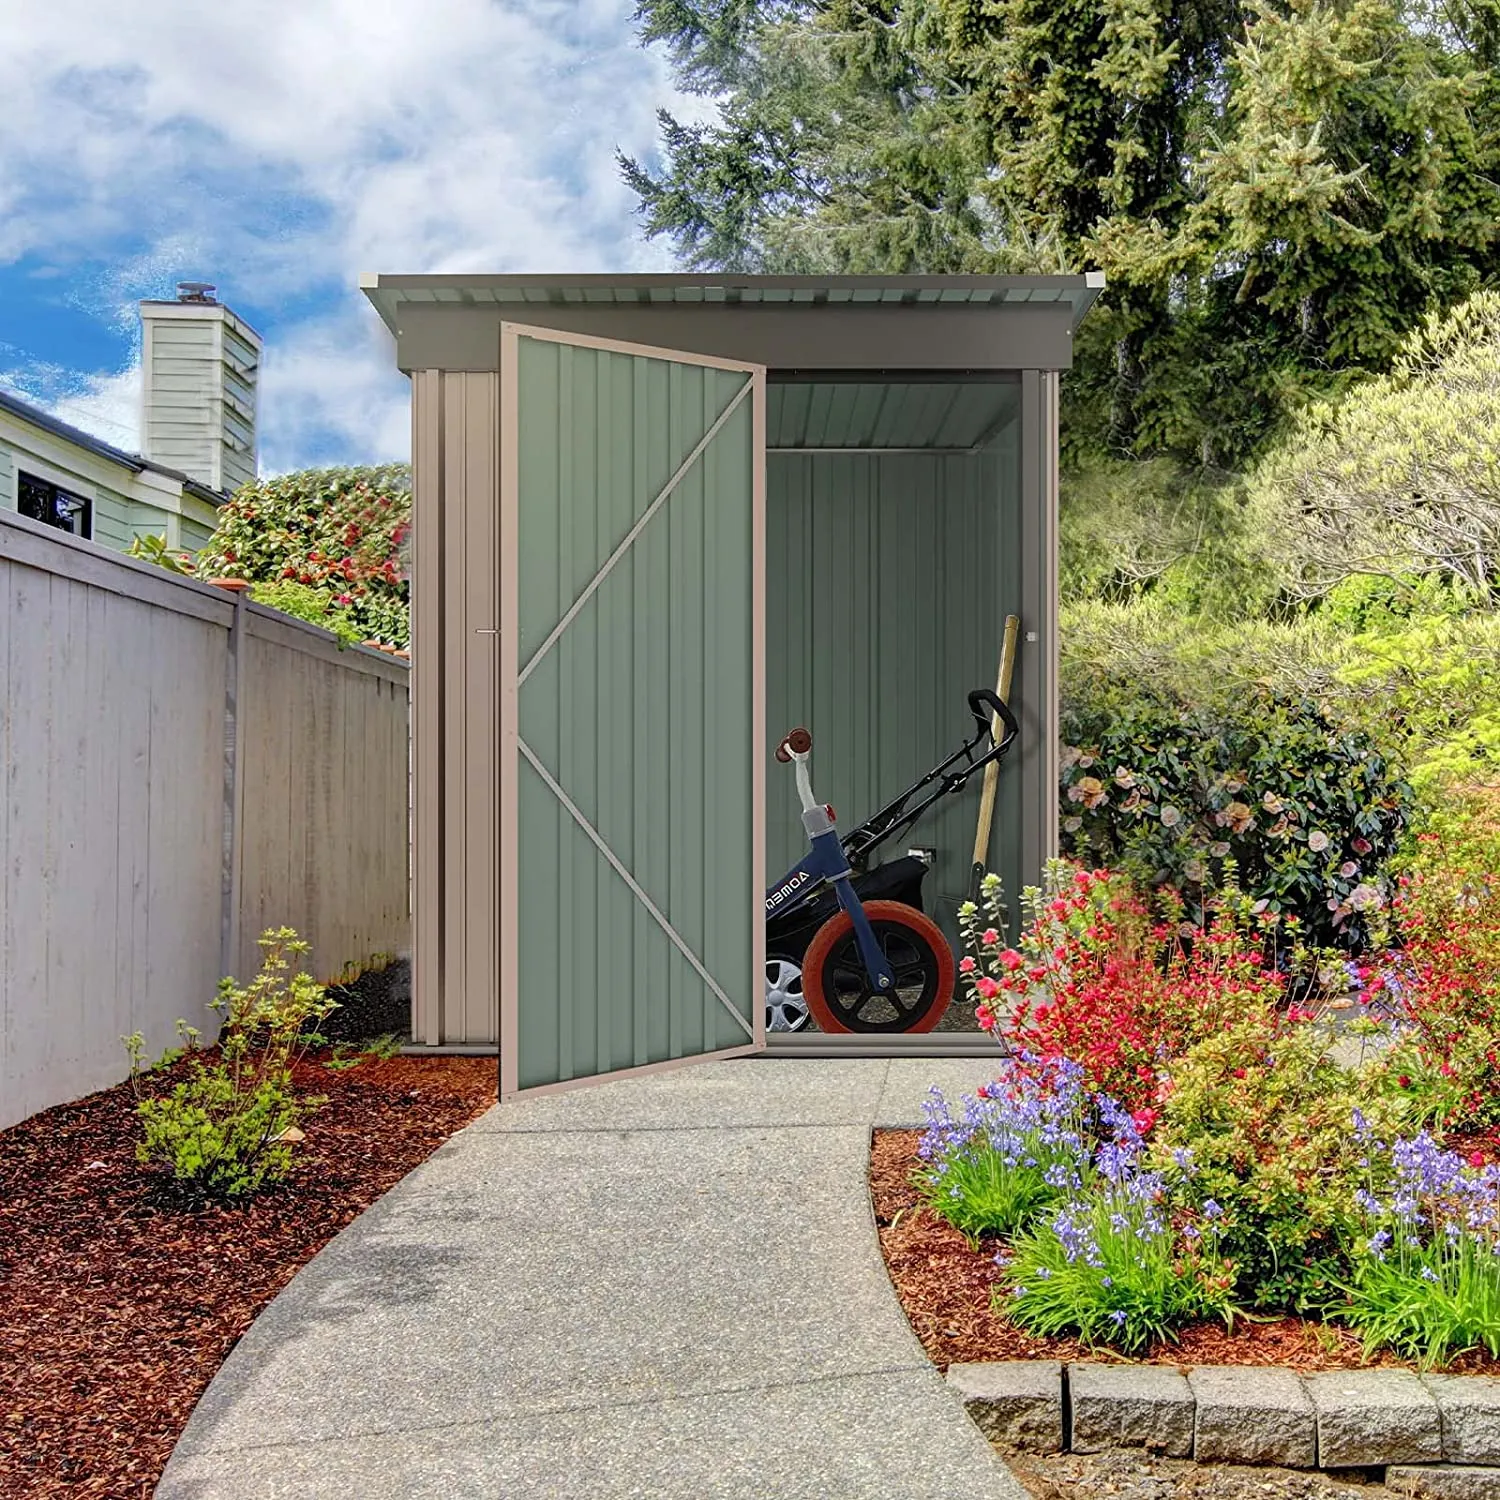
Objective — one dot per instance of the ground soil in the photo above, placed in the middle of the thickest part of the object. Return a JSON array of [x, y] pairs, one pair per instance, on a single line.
[[118, 1305], [945, 1285], [1138, 1476]]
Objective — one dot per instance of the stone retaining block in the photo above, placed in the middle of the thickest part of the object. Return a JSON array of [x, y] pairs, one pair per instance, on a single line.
[[1469, 1406], [1443, 1482], [1015, 1403], [1368, 1417], [1248, 1415], [1131, 1406]]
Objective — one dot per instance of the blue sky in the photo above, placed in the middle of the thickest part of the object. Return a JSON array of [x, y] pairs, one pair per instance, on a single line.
[[279, 148]]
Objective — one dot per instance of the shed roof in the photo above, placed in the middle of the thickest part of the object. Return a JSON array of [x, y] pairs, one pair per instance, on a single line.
[[388, 293]]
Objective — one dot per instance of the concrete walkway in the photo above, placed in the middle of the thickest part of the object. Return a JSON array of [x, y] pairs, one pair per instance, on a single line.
[[661, 1287]]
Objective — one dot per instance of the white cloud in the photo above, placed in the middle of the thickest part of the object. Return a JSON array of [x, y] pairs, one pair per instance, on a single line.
[[280, 149]]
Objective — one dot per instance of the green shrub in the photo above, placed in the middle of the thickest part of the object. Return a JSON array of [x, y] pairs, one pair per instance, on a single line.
[[1442, 979], [221, 1132], [1308, 810], [1265, 1118], [316, 606], [342, 532]]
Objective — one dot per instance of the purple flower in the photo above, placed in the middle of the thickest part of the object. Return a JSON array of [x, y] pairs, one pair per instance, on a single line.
[[1211, 1210]]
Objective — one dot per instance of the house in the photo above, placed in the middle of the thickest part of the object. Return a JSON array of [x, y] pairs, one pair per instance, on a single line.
[[199, 370]]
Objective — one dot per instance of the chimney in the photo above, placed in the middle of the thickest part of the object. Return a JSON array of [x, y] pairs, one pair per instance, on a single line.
[[199, 366]]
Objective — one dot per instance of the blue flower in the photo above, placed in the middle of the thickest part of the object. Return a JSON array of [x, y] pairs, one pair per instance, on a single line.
[[1211, 1210], [1119, 1318]]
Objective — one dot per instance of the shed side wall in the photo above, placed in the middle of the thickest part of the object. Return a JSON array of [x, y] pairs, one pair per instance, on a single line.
[[455, 611]]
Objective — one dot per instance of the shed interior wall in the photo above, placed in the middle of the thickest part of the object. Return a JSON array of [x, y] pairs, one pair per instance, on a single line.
[[888, 580]]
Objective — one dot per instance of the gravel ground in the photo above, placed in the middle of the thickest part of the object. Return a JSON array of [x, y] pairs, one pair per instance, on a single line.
[[1133, 1475]]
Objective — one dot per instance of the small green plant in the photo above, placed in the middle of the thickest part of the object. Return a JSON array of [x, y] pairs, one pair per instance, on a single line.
[[223, 1132], [1427, 1274], [351, 1054], [1017, 1145], [153, 549], [1111, 1267]]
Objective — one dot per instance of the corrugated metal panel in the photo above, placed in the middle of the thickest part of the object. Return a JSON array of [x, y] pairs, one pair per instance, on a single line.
[[884, 414], [888, 580], [641, 710]]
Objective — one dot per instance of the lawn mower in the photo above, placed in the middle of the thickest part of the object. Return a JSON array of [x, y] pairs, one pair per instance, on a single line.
[[850, 946]]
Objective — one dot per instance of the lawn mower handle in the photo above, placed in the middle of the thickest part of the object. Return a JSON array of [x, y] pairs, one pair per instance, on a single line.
[[984, 705]]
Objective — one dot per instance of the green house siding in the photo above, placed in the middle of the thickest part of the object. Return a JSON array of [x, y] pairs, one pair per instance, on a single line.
[[888, 579], [194, 536]]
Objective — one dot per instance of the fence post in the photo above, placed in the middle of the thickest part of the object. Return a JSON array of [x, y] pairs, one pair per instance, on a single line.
[[234, 802]]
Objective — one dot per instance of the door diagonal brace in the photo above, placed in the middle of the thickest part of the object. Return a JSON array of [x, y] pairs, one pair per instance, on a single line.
[[635, 531], [630, 880]]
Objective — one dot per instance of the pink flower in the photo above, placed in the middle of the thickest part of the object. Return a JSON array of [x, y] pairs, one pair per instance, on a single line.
[[985, 1017], [1476, 1158], [1144, 1120], [989, 936], [1010, 959], [966, 965], [987, 987]]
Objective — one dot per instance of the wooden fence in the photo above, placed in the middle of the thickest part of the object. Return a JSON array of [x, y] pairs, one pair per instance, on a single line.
[[179, 770]]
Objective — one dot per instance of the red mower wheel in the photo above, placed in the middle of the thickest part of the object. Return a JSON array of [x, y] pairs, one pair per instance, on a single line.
[[839, 992]]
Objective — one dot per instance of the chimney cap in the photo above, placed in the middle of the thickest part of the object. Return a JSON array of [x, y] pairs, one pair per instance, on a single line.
[[195, 291]]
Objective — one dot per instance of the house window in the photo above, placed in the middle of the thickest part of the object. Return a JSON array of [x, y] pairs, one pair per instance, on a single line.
[[43, 501]]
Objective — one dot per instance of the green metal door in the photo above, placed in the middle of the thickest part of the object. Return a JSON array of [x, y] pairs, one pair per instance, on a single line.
[[631, 709]]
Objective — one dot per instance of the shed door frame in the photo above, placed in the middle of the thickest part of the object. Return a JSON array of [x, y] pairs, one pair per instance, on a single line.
[[512, 673]]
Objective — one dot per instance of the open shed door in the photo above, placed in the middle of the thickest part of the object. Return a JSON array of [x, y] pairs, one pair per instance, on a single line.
[[632, 739]]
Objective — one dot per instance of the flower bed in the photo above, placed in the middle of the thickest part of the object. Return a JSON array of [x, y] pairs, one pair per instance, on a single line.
[[1168, 1146]]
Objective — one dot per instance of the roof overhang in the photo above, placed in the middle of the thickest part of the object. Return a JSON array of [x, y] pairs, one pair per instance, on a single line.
[[785, 322]]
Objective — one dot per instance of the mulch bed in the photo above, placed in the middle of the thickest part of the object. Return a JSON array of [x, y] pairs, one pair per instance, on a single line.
[[117, 1307], [944, 1288]]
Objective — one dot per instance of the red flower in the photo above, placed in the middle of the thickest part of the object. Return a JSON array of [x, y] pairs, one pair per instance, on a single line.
[[1476, 1158], [987, 987], [1238, 1072], [1404, 1082], [1144, 1120]]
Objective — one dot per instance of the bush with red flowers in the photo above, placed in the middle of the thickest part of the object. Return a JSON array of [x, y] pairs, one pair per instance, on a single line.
[[1440, 979], [1099, 978], [340, 531]]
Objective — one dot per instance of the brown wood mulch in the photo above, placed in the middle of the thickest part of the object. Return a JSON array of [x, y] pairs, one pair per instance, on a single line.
[[117, 1307], [945, 1287]]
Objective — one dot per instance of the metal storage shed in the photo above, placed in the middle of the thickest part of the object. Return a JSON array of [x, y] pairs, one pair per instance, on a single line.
[[658, 520]]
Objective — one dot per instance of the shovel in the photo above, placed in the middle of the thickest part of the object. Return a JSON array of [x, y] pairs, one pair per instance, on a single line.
[[992, 771]]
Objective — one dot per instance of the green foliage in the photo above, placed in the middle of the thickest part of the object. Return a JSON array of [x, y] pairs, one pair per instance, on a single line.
[[1167, 791], [316, 606], [153, 549], [221, 1132], [1275, 196], [1265, 1118], [1114, 1272], [1403, 477], [342, 532]]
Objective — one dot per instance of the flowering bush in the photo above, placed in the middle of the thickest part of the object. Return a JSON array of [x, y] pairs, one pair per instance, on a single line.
[[1442, 982], [1167, 792], [1113, 1265], [1427, 1274], [1018, 1144], [1096, 979], [1263, 1115], [341, 531]]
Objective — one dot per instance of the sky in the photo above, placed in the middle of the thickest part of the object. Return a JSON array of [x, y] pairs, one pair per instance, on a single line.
[[279, 149]]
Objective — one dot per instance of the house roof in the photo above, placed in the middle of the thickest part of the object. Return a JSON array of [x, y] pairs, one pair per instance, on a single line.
[[390, 292], [87, 440]]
